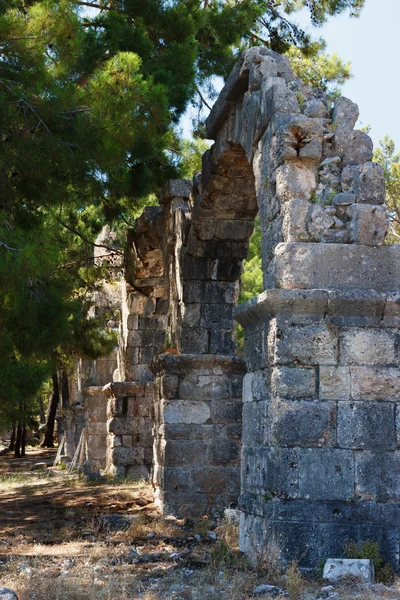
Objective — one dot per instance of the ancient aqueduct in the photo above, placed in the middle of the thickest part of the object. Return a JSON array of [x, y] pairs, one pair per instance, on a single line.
[[304, 431]]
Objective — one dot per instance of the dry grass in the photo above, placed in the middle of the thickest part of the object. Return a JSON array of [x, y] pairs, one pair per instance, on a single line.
[[52, 548]]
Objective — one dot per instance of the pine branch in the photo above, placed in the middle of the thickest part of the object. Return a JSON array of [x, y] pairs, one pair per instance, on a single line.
[[202, 98], [86, 240]]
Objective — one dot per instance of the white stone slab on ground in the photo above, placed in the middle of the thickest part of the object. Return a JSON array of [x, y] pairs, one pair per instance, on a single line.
[[336, 569]]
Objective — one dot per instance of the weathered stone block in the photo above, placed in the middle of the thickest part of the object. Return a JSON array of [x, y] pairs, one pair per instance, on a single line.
[[337, 266], [354, 147], [169, 386], [224, 451], [194, 340], [226, 411], [181, 453], [378, 476], [366, 181], [191, 314], [255, 420], [294, 382], [360, 346], [337, 569], [204, 387], [294, 180], [375, 383], [186, 411], [278, 98], [220, 292], [334, 383], [369, 425], [295, 220], [216, 315], [307, 345], [326, 474], [270, 472], [368, 224], [345, 114], [301, 423], [127, 456], [222, 341]]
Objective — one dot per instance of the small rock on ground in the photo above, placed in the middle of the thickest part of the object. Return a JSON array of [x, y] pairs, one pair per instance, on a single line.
[[7, 594], [271, 590]]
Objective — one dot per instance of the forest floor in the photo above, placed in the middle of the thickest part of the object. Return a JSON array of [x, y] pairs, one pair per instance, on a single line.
[[65, 539]]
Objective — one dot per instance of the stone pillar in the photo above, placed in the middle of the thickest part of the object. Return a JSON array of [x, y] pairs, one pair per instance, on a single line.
[[321, 445], [197, 432], [130, 412], [96, 426]]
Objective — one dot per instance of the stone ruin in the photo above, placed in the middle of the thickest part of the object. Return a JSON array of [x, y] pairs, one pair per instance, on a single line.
[[304, 430]]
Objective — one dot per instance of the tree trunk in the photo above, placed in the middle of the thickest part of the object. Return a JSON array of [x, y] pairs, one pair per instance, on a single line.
[[64, 390], [23, 440], [18, 440], [42, 416], [11, 447], [48, 441]]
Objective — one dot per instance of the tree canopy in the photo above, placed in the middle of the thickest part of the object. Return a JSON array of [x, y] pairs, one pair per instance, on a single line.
[[90, 97]]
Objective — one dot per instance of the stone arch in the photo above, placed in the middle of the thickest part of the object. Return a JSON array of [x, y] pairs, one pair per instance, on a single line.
[[311, 389]]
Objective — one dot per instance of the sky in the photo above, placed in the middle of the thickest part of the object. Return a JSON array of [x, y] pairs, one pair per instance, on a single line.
[[371, 43]]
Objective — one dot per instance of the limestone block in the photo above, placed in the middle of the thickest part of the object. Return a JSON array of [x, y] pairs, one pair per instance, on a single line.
[[337, 569], [120, 426], [375, 383], [337, 266], [127, 456], [368, 224], [194, 340], [344, 200], [219, 315], [294, 180], [278, 98], [301, 423], [191, 315], [322, 222], [175, 188], [255, 386], [224, 451], [186, 411], [360, 346], [136, 302], [366, 425], [185, 453], [255, 420], [334, 383], [152, 323], [345, 114], [220, 292], [226, 411], [326, 474], [315, 109], [366, 181], [270, 472], [308, 345], [378, 476], [295, 218], [294, 382], [354, 147], [204, 387], [169, 386], [222, 341], [132, 322], [137, 472]]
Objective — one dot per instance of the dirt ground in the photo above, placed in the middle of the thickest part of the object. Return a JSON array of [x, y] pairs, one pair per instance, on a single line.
[[62, 538]]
